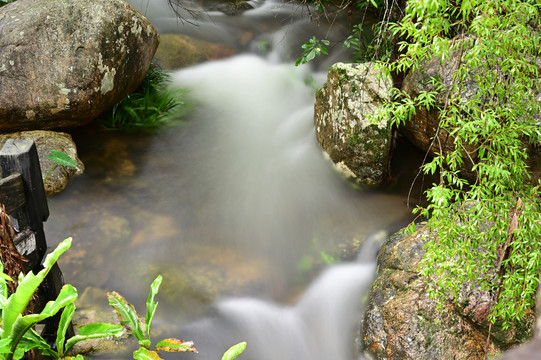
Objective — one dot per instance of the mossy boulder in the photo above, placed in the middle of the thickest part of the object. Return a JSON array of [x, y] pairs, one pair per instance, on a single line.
[[359, 147], [403, 322]]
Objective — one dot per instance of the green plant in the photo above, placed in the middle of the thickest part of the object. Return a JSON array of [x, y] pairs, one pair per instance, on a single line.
[[484, 229], [149, 108], [234, 351], [59, 158], [5, 2], [311, 49], [130, 319], [17, 335]]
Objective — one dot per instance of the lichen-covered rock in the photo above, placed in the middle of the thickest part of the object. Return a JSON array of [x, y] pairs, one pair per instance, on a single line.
[[178, 51], [63, 62], [402, 322], [358, 147], [58, 176]]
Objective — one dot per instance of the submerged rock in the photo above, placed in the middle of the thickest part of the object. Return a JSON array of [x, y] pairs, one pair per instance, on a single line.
[[58, 177], [63, 62], [403, 322], [358, 147], [178, 51]]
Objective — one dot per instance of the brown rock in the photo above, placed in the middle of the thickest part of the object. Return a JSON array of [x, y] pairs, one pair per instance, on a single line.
[[58, 177], [178, 51], [403, 322], [63, 62]]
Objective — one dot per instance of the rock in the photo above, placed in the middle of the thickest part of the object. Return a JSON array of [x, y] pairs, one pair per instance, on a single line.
[[45, 141], [402, 322], [228, 7], [92, 308], [421, 129], [63, 62], [177, 51], [357, 146], [532, 349]]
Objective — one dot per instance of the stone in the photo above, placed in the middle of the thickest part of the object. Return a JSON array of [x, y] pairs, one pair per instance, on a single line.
[[356, 145], [58, 177], [63, 62], [423, 126], [92, 307], [403, 322], [177, 51], [532, 349]]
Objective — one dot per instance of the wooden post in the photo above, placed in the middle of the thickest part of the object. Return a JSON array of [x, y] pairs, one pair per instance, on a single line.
[[23, 194], [21, 157]]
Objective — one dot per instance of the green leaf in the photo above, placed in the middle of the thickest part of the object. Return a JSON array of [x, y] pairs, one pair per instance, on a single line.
[[127, 314], [151, 304], [63, 325], [17, 302], [32, 340], [145, 354], [94, 331], [234, 351], [61, 158], [22, 324], [175, 345]]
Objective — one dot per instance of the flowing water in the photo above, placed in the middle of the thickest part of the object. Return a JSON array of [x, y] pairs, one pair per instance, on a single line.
[[236, 207]]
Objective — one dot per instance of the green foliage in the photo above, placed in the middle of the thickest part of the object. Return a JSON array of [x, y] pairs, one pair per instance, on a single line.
[[17, 334], [59, 158], [5, 2], [311, 49], [130, 320], [149, 108], [234, 351], [484, 229]]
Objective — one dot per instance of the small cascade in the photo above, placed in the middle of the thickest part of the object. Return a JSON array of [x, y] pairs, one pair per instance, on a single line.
[[322, 325]]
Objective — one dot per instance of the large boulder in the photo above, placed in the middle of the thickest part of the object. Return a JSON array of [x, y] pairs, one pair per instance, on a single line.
[[63, 62], [403, 322], [359, 147], [56, 176]]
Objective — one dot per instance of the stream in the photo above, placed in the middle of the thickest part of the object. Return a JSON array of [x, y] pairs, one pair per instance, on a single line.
[[236, 206]]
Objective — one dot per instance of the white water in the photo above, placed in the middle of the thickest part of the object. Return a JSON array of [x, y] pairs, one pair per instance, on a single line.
[[244, 173]]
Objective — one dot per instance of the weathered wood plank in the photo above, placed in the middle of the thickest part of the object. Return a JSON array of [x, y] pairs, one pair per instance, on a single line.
[[20, 156], [12, 193]]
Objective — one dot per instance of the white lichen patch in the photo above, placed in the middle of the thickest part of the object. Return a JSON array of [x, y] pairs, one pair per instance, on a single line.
[[136, 27], [108, 80], [30, 114]]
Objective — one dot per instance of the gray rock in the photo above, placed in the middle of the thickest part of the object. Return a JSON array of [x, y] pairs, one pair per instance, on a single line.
[[403, 322], [63, 62], [357, 146], [45, 141]]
